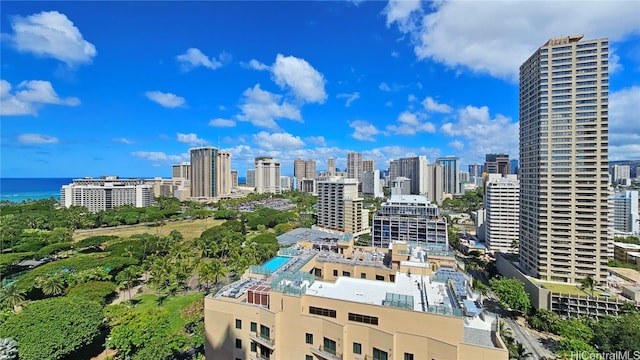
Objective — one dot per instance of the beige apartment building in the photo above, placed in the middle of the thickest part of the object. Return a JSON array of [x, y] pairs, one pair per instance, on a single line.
[[210, 172], [564, 191], [354, 305], [267, 175], [340, 208]]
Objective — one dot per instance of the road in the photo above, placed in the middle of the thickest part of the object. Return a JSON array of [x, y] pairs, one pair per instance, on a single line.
[[530, 341]]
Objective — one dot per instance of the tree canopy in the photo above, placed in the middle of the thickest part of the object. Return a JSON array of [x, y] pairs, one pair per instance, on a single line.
[[511, 293]]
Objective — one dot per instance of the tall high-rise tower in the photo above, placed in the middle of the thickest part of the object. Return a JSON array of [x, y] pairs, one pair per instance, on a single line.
[[354, 166], [310, 169], [203, 171], [331, 166], [451, 170], [298, 168], [267, 175], [564, 193]]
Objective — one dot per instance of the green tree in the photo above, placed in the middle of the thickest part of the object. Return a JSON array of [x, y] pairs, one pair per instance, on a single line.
[[51, 283], [544, 320], [11, 296], [127, 278], [511, 293], [588, 284], [53, 328], [612, 334]]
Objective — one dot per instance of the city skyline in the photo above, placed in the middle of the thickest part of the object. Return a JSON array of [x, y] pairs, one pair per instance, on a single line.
[[122, 93]]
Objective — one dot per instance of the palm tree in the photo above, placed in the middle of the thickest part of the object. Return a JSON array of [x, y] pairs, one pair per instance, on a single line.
[[127, 278], [11, 296], [520, 353], [51, 284], [8, 349], [218, 270], [588, 284]]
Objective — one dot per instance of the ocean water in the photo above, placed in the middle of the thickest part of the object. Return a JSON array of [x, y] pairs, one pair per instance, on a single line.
[[23, 189]]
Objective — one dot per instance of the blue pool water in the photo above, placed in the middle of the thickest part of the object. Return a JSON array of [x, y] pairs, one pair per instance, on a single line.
[[275, 263]]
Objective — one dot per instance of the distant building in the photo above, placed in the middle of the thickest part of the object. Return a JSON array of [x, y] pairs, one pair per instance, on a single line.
[[106, 193], [267, 175], [409, 218], [285, 183], [413, 168], [308, 186], [234, 178], [368, 165], [497, 164], [181, 171], [625, 212], [451, 172], [210, 172], [354, 166], [621, 173], [435, 183], [502, 210], [371, 184], [475, 174], [400, 186], [331, 166], [340, 208], [251, 178], [175, 187]]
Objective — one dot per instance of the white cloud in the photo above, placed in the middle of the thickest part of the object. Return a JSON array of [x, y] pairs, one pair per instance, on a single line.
[[384, 86], [433, 105], [51, 34], [410, 125], [624, 124], [191, 139], [261, 108], [37, 139], [482, 134], [123, 141], [411, 98], [277, 141], [29, 97], [496, 37], [363, 130], [399, 11], [257, 65], [350, 97], [194, 58], [161, 157], [167, 100], [305, 82], [395, 54], [458, 145], [317, 140], [222, 123]]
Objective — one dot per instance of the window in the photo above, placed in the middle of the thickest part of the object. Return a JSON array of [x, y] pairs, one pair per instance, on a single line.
[[254, 346], [238, 324], [322, 311], [408, 356], [308, 357], [363, 275], [346, 273], [380, 277], [265, 332], [357, 348], [329, 346], [335, 272], [238, 344], [380, 355], [254, 327], [366, 319], [308, 338]]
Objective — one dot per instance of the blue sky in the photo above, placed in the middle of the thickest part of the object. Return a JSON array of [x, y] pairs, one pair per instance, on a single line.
[[126, 88]]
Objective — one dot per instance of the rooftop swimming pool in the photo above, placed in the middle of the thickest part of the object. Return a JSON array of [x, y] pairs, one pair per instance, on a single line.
[[276, 262]]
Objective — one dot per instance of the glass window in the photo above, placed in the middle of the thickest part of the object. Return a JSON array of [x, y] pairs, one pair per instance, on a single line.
[[254, 327], [308, 338], [408, 356], [357, 348], [238, 344], [238, 324], [380, 355], [329, 346]]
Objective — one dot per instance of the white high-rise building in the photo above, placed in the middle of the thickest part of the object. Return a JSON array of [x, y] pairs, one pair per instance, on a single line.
[[414, 168], [340, 208], [435, 183], [251, 178], [621, 173], [502, 213], [181, 171], [285, 183], [368, 165], [564, 192], [371, 184], [354, 166], [106, 193], [625, 212], [331, 166], [267, 175], [451, 173]]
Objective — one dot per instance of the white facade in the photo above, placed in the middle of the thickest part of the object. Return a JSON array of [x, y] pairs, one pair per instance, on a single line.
[[267, 175], [621, 173], [564, 191], [414, 168], [340, 208], [625, 212], [285, 183], [251, 178], [106, 193], [354, 166], [502, 211], [451, 173], [371, 184]]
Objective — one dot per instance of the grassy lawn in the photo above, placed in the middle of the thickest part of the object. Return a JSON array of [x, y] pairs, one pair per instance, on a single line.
[[562, 288], [190, 229], [173, 304]]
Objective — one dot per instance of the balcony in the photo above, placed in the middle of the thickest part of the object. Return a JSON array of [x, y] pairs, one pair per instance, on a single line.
[[263, 340], [326, 353], [256, 356]]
